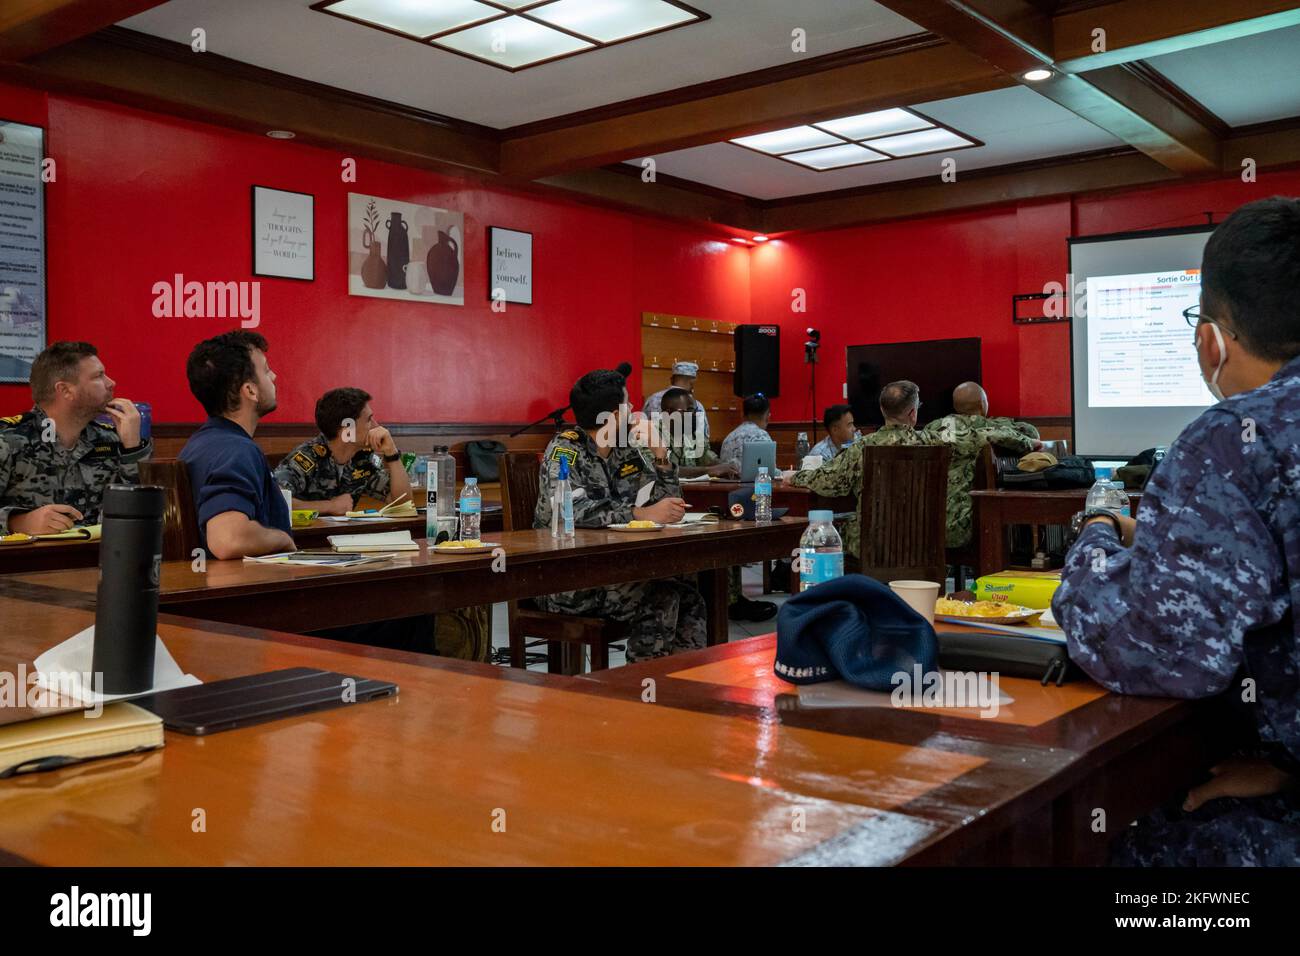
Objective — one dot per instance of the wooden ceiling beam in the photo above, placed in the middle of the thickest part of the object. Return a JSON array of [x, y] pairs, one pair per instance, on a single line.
[[1140, 29], [1015, 36], [30, 27], [166, 77], [932, 71]]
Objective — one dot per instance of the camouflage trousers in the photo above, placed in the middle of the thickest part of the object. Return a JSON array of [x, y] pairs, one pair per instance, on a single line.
[[1230, 831], [662, 617]]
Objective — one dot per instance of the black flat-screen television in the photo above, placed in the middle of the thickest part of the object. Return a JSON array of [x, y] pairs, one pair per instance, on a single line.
[[937, 367]]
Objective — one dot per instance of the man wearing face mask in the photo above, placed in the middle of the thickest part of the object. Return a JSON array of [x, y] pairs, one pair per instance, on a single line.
[[1197, 595], [606, 475]]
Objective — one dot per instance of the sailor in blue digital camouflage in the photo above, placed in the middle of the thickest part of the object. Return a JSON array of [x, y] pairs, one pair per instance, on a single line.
[[899, 403], [56, 461], [966, 432], [352, 457], [1196, 597], [758, 412], [606, 476]]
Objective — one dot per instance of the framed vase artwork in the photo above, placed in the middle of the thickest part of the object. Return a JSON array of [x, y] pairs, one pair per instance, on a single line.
[[22, 262], [511, 255], [284, 234], [402, 250]]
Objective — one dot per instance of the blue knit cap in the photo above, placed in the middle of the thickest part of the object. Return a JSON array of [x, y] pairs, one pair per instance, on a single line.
[[852, 628]]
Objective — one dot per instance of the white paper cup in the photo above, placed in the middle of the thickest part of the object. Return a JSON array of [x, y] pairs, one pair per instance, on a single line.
[[919, 595]]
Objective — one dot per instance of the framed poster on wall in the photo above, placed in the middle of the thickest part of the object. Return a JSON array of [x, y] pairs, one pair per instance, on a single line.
[[511, 279], [403, 250], [22, 250], [284, 234]]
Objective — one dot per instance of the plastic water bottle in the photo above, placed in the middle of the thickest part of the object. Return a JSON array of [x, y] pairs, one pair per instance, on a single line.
[[1107, 495], [440, 483], [763, 496], [562, 504], [821, 552], [801, 448], [471, 510]]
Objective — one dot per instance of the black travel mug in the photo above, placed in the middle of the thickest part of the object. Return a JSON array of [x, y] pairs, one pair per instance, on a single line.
[[126, 608]]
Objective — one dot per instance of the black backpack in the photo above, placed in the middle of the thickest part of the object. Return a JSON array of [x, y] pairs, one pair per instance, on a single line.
[[1069, 472], [482, 457]]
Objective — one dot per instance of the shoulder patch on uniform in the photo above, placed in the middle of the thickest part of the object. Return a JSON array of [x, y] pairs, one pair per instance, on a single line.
[[304, 461], [563, 452], [629, 468], [11, 420], [571, 435], [319, 449]]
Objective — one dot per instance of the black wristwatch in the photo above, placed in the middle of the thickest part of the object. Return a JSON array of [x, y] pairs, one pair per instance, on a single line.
[[395, 456], [1083, 517]]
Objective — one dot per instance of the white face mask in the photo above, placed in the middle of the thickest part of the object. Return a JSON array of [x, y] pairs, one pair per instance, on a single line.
[[1213, 383]]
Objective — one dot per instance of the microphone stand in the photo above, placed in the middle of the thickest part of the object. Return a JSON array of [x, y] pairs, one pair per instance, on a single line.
[[810, 358], [556, 416]]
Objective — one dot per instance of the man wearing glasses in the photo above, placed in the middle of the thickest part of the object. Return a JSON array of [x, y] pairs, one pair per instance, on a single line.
[[1196, 596]]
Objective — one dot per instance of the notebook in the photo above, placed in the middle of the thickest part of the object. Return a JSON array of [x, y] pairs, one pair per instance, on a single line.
[[403, 507], [50, 742], [378, 541], [320, 559], [90, 532]]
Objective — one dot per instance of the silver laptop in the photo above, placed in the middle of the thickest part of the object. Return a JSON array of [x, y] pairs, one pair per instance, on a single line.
[[755, 454]]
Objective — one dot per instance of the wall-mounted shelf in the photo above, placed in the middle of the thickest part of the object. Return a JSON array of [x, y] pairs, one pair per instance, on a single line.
[[667, 339]]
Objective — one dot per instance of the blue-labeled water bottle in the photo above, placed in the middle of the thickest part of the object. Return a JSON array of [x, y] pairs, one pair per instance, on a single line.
[[471, 510], [763, 496], [821, 552], [562, 505]]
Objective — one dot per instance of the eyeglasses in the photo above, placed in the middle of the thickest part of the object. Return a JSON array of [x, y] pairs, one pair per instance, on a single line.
[[1194, 318]]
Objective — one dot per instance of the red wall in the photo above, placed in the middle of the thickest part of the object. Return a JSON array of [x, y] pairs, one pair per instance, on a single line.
[[954, 275], [139, 197]]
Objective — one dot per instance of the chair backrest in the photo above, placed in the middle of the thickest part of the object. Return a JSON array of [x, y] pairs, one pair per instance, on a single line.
[[180, 525], [904, 512], [993, 464], [521, 478]]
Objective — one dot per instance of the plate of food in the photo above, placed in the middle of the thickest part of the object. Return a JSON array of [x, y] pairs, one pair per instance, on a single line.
[[468, 546], [634, 527], [962, 606], [16, 538]]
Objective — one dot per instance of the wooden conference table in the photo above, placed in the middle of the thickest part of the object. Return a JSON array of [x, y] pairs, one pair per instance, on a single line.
[[55, 555], [475, 765], [997, 510], [299, 599], [701, 496]]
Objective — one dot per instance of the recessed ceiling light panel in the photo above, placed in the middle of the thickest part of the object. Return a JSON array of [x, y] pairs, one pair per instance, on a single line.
[[879, 123], [787, 140], [833, 157], [417, 18], [609, 21], [513, 42], [925, 141]]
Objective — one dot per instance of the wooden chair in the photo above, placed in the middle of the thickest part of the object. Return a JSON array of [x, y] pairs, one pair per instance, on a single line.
[[992, 465], [903, 512], [566, 634], [180, 525]]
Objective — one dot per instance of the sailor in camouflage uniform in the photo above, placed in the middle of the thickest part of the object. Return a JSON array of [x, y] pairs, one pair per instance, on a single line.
[[842, 475], [966, 432], [56, 461], [662, 616], [689, 447], [319, 481], [1196, 597]]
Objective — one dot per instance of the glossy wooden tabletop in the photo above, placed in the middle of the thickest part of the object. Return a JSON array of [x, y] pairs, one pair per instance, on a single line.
[[469, 764]]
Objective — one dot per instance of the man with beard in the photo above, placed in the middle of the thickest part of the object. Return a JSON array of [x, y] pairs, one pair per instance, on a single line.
[[238, 505], [56, 460]]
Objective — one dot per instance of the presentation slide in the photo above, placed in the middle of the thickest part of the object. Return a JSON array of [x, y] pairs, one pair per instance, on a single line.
[[1136, 382], [1138, 341]]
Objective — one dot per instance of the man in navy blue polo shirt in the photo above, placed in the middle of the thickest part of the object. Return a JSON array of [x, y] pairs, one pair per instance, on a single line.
[[240, 509]]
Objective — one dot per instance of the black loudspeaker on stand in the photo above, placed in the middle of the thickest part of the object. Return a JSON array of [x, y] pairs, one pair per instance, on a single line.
[[758, 360]]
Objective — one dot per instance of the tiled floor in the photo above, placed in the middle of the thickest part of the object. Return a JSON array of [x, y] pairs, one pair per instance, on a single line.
[[751, 580]]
